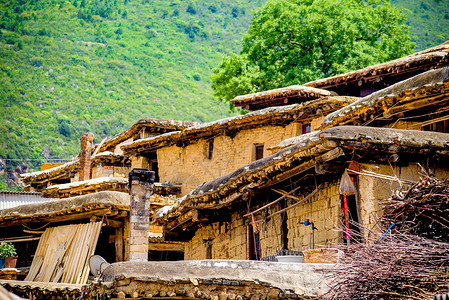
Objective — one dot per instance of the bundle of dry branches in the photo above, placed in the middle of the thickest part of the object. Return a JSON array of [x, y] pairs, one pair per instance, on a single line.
[[412, 260], [421, 210], [399, 266]]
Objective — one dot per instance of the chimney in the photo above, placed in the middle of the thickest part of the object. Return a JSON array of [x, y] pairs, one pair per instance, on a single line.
[[140, 189], [86, 152]]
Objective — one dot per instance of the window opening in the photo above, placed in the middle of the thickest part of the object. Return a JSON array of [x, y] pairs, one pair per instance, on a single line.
[[253, 243], [258, 151], [441, 126], [306, 128], [210, 151]]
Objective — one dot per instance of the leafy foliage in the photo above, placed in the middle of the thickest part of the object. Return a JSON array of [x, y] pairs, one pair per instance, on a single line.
[[7, 250], [292, 42], [70, 67]]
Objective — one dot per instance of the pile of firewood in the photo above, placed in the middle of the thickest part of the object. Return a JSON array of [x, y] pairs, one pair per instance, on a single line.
[[421, 210], [410, 261], [399, 266]]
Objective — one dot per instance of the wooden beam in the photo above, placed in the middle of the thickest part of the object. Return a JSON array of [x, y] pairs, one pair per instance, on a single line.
[[293, 205], [273, 202], [415, 104], [107, 222], [165, 247], [180, 220], [23, 239]]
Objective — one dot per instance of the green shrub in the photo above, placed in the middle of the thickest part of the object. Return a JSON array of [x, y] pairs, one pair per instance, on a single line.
[[7, 250]]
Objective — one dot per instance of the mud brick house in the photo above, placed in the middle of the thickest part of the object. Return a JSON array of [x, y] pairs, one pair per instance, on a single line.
[[270, 196], [256, 210], [203, 152], [102, 160]]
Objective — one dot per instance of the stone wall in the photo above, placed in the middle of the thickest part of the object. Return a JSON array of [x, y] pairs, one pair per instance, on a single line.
[[190, 165]]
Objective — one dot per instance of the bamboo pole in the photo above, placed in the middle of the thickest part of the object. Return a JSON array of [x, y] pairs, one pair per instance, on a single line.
[[291, 206], [273, 202]]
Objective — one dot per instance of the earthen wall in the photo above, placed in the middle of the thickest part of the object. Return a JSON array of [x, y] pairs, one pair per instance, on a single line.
[[192, 165], [228, 240], [110, 171]]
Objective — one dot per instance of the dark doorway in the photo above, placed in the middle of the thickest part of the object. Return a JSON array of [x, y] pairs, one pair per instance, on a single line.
[[253, 243]]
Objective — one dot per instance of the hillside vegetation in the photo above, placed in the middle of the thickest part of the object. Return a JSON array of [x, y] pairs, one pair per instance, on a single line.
[[70, 67], [428, 20]]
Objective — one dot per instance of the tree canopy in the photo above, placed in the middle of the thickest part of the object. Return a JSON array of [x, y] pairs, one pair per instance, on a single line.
[[296, 41]]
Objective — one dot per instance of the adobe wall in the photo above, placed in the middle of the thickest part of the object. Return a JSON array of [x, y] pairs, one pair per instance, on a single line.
[[110, 171], [228, 240], [372, 190], [325, 211], [191, 167]]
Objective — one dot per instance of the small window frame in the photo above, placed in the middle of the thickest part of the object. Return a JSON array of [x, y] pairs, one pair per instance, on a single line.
[[258, 152], [210, 149], [306, 128]]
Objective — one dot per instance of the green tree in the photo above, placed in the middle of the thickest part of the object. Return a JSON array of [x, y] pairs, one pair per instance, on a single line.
[[296, 41]]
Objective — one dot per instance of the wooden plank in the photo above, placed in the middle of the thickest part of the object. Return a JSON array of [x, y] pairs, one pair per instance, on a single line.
[[118, 244], [80, 252], [96, 228], [166, 247], [72, 254], [107, 221]]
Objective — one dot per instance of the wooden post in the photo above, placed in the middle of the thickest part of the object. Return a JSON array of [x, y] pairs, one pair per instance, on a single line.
[[345, 208], [126, 239]]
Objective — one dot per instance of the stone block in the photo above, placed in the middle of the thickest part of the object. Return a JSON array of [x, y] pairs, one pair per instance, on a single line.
[[140, 226], [138, 256], [141, 248], [138, 240], [140, 219]]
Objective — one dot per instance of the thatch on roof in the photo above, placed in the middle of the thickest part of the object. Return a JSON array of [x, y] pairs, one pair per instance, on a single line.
[[300, 154], [281, 115], [434, 57], [158, 126], [103, 203], [163, 193], [281, 96], [65, 171], [109, 158], [86, 186], [427, 89]]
